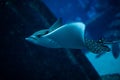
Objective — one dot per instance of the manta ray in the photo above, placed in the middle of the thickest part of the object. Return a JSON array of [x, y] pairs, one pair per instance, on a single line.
[[70, 36]]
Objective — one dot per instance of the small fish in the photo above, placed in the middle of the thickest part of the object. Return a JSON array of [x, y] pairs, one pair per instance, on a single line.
[[69, 36], [115, 48], [113, 36]]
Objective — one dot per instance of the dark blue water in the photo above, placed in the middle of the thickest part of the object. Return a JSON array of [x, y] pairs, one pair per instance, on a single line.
[[21, 60]]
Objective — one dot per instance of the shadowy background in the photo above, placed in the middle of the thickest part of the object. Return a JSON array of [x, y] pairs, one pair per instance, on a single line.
[[21, 60]]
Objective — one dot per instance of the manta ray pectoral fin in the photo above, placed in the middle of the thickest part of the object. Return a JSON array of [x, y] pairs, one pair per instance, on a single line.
[[56, 25], [42, 32]]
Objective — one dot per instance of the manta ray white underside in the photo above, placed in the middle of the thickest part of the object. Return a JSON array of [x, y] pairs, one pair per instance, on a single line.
[[67, 36]]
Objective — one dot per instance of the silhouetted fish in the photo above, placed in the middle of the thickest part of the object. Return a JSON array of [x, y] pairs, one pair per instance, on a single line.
[[115, 50]]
